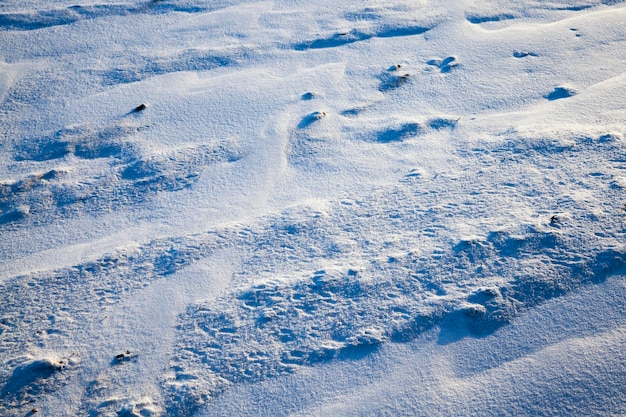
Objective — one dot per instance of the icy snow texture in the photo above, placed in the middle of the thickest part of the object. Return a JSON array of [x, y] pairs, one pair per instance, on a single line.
[[271, 208]]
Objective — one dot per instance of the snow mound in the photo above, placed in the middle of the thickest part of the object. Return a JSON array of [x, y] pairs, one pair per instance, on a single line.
[[31, 379]]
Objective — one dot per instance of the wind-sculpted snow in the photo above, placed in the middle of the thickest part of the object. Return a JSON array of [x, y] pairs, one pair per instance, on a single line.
[[293, 315], [198, 198], [501, 14], [45, 308], [32, 378], [336, 281], [85, 142], [287, 322], [150, 66], [64, 16], [345, 38], [132, 176], [386, 22]]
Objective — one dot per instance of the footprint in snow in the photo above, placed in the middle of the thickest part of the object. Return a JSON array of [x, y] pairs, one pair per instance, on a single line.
[[445, 65], [559, 93], [391, 80], [524, 54]]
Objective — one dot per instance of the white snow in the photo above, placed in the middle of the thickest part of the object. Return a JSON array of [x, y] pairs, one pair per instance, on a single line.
[[312, 208]]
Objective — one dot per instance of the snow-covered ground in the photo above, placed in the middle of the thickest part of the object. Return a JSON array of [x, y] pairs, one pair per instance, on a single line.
[[323, 208]]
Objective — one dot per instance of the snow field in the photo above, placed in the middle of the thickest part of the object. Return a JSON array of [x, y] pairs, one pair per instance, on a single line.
[[358, 199]]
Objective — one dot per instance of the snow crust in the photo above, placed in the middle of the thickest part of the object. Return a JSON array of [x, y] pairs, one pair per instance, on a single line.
[[310, 208]]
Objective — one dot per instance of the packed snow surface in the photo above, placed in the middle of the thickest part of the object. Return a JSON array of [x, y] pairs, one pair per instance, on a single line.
[[232, 207]]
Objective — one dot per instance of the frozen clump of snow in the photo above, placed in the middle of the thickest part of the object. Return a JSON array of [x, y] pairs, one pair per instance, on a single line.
[[309, 119], [125, 405], [31, 379], [144, 407], [16, 214], [610, 137]]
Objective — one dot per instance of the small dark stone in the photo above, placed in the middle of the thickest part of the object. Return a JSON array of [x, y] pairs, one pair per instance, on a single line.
[[140, 107]]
